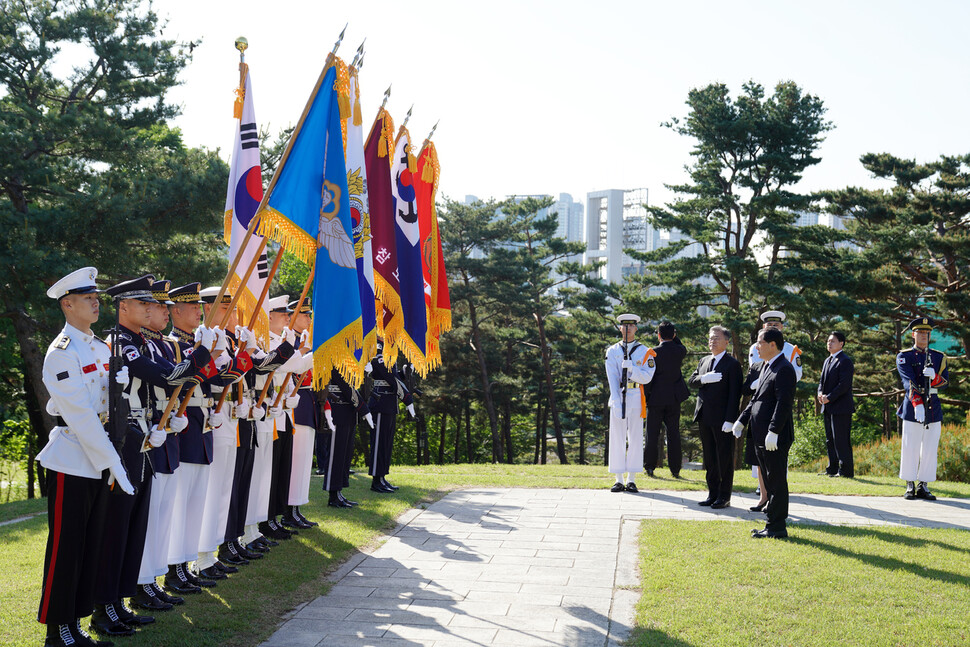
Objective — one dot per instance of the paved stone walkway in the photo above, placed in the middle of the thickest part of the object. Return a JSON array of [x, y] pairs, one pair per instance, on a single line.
[[523, 567]]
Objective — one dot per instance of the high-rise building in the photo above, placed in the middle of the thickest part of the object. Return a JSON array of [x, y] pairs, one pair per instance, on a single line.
[[617, 220]]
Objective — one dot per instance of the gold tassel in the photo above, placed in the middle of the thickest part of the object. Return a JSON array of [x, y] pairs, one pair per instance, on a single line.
[[427, 173], [358, 118], [227, 226]]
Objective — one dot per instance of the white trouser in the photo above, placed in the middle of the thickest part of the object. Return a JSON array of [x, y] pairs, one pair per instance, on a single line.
[[258, 509], [626, 437], [161, 507], [219, 493], [303, 437], [192, 484], [917, 461]]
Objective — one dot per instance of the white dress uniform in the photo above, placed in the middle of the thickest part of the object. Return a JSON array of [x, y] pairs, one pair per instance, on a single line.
[[793, 353], [626, 433], [303, 439]]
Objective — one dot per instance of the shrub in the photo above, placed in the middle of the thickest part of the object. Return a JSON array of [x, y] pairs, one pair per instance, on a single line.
[[809, 442]]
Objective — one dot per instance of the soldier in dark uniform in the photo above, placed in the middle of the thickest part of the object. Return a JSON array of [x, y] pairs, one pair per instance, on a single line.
[[305, 420], [78, 458], [667, 390], [923, 372], [345, 404], [127, 517], [388, 389]]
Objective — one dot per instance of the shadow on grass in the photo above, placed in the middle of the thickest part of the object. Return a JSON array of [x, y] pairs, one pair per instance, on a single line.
[[654, 638], [878, 561], [905, 517]]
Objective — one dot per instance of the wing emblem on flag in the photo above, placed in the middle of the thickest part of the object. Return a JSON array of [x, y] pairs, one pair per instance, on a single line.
[[332, 234]]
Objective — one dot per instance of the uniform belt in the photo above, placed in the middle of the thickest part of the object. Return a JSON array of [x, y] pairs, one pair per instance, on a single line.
[[382, 383], [60, 422], [200, 401], [934, 391], [139, 414], [632, 385]]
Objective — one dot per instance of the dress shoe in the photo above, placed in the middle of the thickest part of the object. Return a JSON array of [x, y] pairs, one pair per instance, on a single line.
[[351, 472], [274, 531], [706, 502], [337, 503], [825, 473], [617, 487], [650, 473], [147, 599], [228, 555], [255, 547], [910, 493], [176, 580], [165, 597], [923, 492], [198, 581], [387, 484], [306, 522], [676, 475], [213, 573], [769, 534], [720, 504], [245, 552], [131, 618], [346, 500], [225, 568], [759, 507], [632, 487], [266, 542], [380, 489], [321, 472], [72, 636], [107, 623]]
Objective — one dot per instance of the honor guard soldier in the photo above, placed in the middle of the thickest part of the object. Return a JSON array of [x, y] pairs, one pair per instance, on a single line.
[[164, 460], [629, 365], [78, 458], [345, 404], [388, 389], [127, 517], [923, 372], [305, 418], [770, 319], [195, 445]]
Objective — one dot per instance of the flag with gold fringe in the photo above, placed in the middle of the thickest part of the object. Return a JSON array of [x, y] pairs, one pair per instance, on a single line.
[[243, 194], [360, 219], [437, 299], [309, 213], [413, 341], [377, 158]]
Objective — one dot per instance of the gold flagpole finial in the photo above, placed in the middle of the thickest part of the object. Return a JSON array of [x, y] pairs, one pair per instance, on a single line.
[[242, 44], [340, 39], [407, 116], [387, 95]]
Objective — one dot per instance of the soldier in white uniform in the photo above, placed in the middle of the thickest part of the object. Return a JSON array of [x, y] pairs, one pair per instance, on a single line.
[[629, 365], [79, 460], [772, 319]]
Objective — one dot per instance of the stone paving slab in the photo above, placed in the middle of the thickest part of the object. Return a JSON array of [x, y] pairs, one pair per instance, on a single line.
[[502, 567]]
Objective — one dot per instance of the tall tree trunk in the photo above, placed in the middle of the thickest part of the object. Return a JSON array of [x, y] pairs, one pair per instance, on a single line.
[[486, 384], [550, 390], [468, 432], [442, 429], [538, 443], [544, 436], [582, 428], [457, 436], [507, 431]]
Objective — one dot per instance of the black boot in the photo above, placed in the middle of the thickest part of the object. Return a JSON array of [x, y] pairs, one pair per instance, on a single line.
[[910, 493], [388, 485], [71, 636], [377, 486], [229, 555], [346, 500], [334, 500], [176, 580], [107, 623], [147, 598], [165, 596], [923, 492], [299, 515], [131, 618]]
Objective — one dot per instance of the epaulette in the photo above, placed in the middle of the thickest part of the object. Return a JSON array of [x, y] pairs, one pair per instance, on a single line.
[[62, 342]]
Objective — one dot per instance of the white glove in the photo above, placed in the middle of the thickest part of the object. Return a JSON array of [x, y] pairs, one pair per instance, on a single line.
[[218, 419], [304, 337], [368, 368], [771, 441], [246, 338], [290, 336], [737, 428], [370, 419], [411, 411], [292, 401], [328, 414], [929, 372], [257, 413], [919, 412], [711, 377], [754, 385], [157, 437], [205, 336], [274, 412], [117, 474], [242, 411], [178, 423], [221, 340], [727, 427], [122, 378], [627, 364]]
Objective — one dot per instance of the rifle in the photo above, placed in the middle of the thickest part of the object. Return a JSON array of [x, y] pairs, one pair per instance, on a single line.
[[118, 409], [623, 380]]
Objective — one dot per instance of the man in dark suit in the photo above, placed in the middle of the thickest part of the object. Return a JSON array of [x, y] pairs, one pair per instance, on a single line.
[[835, 396], [770, 415], [667, 391], [718, 383]]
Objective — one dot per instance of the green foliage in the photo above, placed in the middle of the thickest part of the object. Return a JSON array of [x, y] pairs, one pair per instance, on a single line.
[[809, 442], [15, 440]]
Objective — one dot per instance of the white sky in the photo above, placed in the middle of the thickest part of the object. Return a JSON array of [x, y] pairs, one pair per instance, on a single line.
[[568, 97]]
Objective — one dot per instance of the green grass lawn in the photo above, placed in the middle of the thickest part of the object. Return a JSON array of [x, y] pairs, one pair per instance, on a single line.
[[247, 608], [707, 584]]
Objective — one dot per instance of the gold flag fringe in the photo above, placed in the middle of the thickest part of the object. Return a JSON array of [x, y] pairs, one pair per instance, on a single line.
[[227, 226], [413, 354], [338, 352], [386, 142], [368, 349], [275, 226]]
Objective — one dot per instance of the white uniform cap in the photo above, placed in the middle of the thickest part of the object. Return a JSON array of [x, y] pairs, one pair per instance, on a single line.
[[208, 295], [628, 318], [773, 315], [77, 282], [278, 304]]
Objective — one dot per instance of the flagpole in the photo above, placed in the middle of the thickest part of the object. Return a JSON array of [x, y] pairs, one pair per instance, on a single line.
[[296, 312], [387, 94], [427, 140]]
